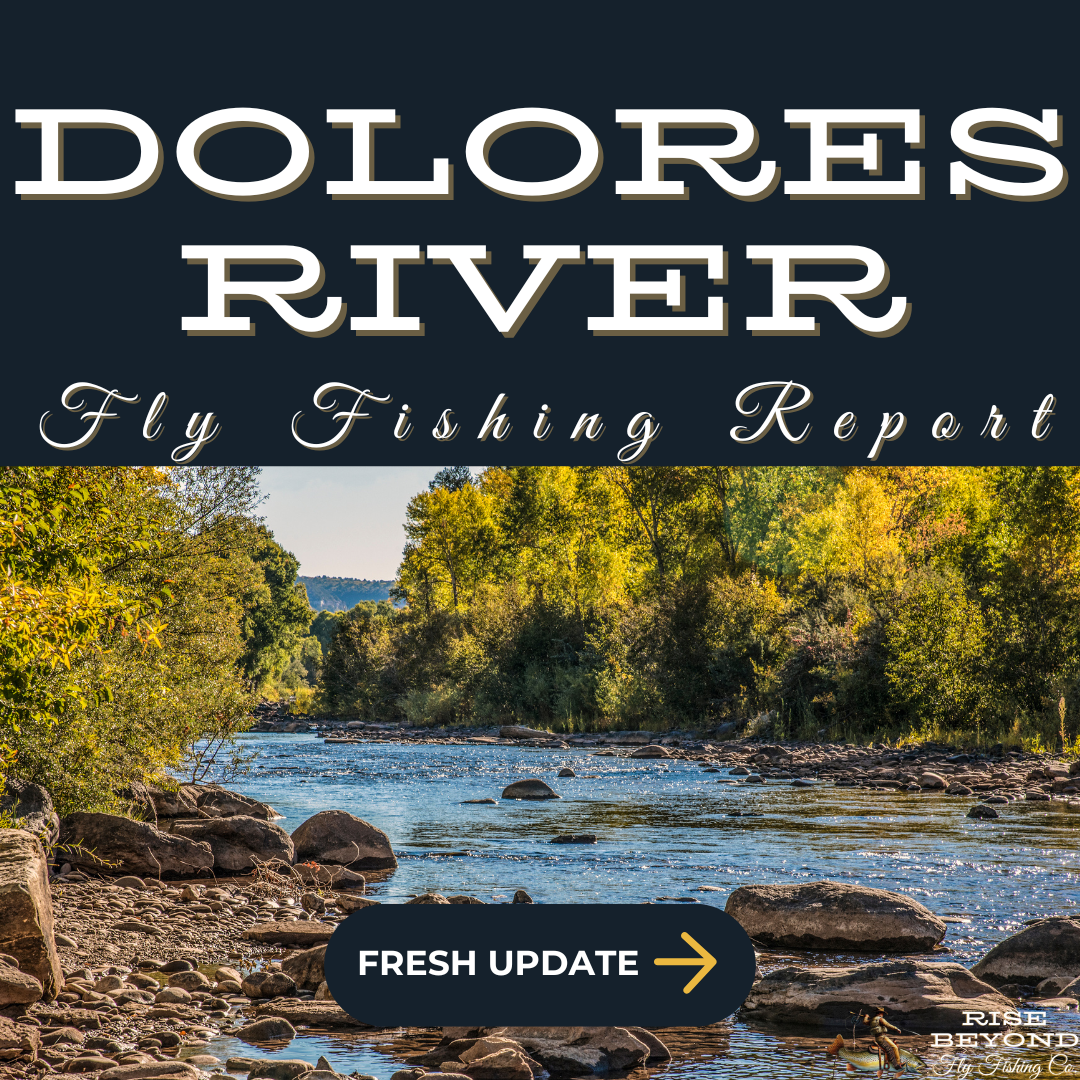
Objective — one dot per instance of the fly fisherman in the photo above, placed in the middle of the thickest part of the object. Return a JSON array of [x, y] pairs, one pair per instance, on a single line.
[[879, 1029]]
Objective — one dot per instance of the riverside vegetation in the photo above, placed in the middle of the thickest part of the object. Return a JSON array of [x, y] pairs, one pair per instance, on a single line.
[[146, 610]]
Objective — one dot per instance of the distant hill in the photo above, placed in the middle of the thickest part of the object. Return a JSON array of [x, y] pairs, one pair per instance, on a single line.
[[342, 593]]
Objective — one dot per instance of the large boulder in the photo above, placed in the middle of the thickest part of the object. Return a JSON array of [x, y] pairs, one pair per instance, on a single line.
[[917, 994], [334, 836], [32, 805], [26, 917], [577, 1051], [532, 788], [239, 843], [825, 915], [1047, 949], [134, 847], [183, 802], [306, 968], [220, 801]]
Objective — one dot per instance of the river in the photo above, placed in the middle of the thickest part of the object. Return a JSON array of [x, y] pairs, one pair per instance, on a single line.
[[664, 829]]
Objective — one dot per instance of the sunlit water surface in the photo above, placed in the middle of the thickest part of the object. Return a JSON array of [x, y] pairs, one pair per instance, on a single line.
[[664, 829]]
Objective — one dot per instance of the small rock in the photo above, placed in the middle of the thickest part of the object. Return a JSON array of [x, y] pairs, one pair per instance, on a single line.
[[241, 1064], [982, 811], [522, 897], [652, 751], [130, 882], [531, 788], [461, 898], [932, 781], [17, 987], [754, 778], [156, 1070], [280, 1070], [268, 984], [172, 995], [312, 902], [266, 1030], [480, 802], [189, 980], [575, 838], [516, 731], [64, 942], [85, 1063], [176, 965]]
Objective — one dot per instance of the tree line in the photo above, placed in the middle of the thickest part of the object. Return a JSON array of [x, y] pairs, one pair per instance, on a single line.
[[839, 601]]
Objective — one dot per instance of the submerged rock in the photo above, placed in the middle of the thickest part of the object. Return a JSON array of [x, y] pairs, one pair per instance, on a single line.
[[575, 838], [825, 915], [1048, 949], [917, 994], [530, 788]]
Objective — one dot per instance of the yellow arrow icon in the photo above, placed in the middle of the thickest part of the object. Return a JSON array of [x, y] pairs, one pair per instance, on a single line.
[[706, 962]]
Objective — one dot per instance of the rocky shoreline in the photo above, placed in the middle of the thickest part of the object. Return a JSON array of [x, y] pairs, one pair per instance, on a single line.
[[139, 942]]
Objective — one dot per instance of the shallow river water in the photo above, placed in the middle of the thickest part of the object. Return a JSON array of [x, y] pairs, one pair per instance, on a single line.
[[664, 829]]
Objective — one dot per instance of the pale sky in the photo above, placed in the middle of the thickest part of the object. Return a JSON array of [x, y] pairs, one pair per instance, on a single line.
[[342, 521]]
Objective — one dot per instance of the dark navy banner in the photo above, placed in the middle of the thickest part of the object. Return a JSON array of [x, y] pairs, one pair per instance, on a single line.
[[684, 239]]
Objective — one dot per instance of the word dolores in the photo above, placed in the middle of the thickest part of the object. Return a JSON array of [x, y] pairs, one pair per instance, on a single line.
[[548, 962], [656, 152]]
